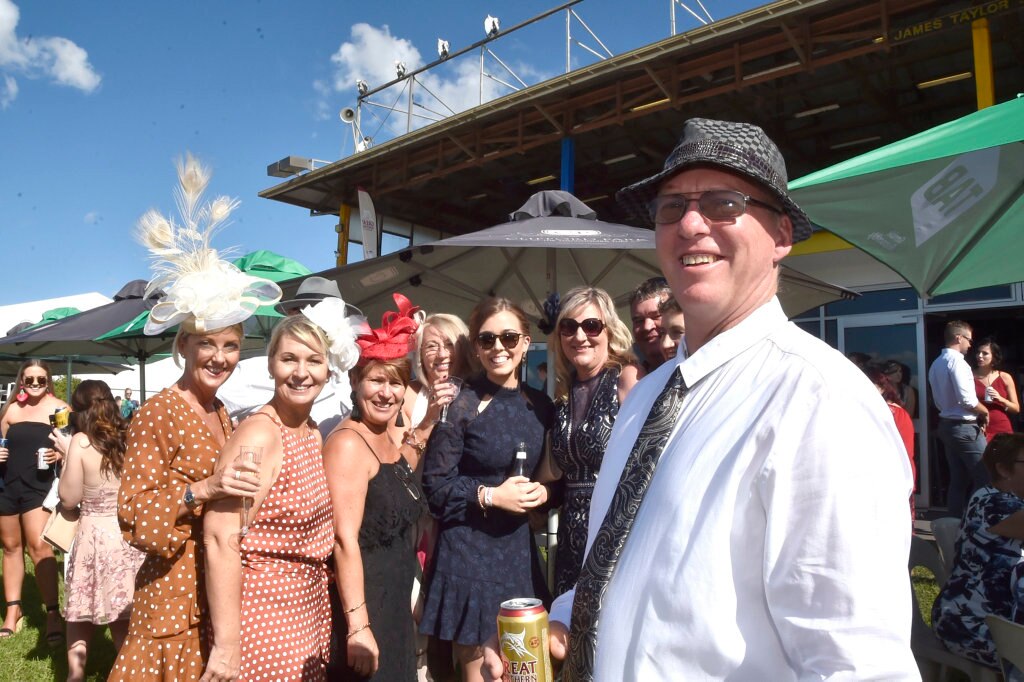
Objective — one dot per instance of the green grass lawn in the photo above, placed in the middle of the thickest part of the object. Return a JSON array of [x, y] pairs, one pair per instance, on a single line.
[[26, 657]]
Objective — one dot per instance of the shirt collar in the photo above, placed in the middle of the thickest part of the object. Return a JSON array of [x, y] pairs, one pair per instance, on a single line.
[[728, 344]]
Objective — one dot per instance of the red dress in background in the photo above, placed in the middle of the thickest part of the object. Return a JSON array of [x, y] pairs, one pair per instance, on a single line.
[[998, 420], [905, 425]]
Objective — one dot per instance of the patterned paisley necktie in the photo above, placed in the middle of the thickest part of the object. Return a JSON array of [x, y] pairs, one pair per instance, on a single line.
[[618, 521]]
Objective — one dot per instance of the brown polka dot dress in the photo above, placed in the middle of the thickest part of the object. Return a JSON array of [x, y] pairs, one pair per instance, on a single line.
[[286, 613], [169, 446]]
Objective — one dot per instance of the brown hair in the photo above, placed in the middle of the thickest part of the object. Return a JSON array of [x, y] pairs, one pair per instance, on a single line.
[[955, 328], [1003, 450], [399, 369], [20, 381], [97, 416]]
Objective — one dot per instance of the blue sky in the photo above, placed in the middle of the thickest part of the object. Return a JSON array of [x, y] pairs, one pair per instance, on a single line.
[[97, 100]]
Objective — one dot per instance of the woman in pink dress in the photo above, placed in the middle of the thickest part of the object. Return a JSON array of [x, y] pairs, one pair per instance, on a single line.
[[100, 580], [995, 388]]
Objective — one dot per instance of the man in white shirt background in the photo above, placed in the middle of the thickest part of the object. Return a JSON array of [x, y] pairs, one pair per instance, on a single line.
[[962, 417], [645, 315], [771, 542]]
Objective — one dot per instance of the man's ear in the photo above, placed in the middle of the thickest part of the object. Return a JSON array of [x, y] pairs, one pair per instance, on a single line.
[[783, 238]]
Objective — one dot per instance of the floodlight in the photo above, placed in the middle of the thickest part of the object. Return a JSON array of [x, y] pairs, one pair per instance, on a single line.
[[491, 26], [362, 87], [442, 48], [400, 68]]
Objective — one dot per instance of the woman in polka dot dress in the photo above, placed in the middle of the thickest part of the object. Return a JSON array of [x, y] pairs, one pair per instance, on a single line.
[[270, 610], [169, 474]]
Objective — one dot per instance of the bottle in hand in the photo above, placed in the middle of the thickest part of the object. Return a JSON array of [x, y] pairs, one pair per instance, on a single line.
[[519, 466]]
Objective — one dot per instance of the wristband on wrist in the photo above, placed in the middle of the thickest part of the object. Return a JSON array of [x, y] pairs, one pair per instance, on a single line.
[[480, 497], [488, 497]]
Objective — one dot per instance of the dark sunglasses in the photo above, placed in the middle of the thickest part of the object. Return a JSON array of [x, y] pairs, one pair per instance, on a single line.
[[715, 204], [34, 381], [509, 339], [591, 326]]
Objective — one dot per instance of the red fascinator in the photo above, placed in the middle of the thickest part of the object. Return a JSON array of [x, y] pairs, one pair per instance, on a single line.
[[396, 336]]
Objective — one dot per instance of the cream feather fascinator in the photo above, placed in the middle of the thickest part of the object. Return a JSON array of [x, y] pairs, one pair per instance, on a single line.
[[202, 291]]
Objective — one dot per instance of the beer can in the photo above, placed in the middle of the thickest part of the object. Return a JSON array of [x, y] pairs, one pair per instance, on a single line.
[[41, 462], [523, 641], [60, 419]]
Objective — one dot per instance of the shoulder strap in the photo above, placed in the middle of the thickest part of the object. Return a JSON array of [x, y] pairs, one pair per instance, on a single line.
[[365, 442]]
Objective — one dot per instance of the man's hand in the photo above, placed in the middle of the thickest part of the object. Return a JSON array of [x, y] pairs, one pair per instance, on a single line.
[[558, 645]]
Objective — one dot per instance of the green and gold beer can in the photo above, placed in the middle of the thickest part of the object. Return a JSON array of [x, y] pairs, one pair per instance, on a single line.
[[523, 640]]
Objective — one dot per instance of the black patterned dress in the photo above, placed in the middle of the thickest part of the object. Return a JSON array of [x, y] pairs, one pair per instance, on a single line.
[[482, 558], [583, 424]]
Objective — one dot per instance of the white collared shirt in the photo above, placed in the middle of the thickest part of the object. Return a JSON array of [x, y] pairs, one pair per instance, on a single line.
[[952, 383], [773, 541]]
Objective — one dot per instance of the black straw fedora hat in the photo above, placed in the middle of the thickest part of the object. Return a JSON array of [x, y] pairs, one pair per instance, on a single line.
[[740, 148]]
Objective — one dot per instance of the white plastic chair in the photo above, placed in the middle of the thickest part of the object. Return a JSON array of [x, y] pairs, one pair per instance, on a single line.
[[1009, 639], [933, 659], [946, 531]]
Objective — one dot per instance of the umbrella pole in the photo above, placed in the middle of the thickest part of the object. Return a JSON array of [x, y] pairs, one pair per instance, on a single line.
[[67, 381], [142, 375]]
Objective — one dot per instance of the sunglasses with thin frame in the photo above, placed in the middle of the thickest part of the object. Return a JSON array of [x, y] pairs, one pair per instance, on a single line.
[[591, 326], [714, 204], [509, 339], [34, 381]]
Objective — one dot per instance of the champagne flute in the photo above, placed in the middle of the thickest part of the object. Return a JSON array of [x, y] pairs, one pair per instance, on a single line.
[[457, 383], [251, 454]]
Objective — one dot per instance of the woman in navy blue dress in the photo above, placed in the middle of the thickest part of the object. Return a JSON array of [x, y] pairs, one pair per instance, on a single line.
[[988, 575], [483, 554]]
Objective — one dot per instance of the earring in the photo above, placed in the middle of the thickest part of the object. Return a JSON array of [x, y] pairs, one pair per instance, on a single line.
[[356, 414], [22, 395], [399, 422]]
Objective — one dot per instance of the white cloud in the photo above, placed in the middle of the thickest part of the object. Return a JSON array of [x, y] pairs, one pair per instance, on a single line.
[[371, 54], [8, 92], [92, 218], [56, 58]]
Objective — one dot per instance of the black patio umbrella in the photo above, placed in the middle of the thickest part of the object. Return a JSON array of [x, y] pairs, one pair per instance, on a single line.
[[551, 244], [75, 336]]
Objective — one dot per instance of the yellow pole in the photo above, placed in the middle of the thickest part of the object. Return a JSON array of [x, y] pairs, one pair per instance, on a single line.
[[983, 79], [341, 255]]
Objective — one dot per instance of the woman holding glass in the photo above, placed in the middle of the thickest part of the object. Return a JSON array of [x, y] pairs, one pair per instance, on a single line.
[[441, 357], [176, 436], [267, 557], [596, 370], [25, 426], [995, 388], [483, 553], [101, 568], [376, 503]]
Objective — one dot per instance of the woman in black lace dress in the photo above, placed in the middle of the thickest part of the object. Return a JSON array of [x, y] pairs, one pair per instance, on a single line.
[[483, 553], [595, 369], [376, 503]]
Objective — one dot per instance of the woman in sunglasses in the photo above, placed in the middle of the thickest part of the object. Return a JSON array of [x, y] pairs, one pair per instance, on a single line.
[[483, 553], [376, 503], [595, 369], [25, 426]]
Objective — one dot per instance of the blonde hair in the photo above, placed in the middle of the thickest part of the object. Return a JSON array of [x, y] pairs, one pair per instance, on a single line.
[[300, 328], [183, 334], [454, 330], [620, 339]]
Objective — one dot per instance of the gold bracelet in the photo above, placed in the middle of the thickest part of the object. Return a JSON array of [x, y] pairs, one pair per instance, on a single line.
[[362, 603], [413, 442], [358, 629]]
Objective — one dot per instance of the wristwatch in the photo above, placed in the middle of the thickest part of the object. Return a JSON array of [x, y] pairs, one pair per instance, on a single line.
[[189, 499]]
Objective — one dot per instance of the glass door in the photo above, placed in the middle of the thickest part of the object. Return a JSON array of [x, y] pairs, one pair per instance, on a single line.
[[899, 338]]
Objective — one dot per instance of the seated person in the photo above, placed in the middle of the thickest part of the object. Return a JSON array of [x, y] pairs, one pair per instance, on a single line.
[[988, 556]]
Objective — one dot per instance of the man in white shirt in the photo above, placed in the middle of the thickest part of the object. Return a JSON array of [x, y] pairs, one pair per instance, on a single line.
[[771, 542], [962, 417]]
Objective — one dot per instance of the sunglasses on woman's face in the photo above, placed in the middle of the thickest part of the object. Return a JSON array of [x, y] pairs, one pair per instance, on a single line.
[[509, 339], [34, 381], [591, 326]]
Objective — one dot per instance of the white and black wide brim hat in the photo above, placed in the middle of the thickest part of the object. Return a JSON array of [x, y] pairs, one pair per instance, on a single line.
[[740, 148], [311, 291]]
